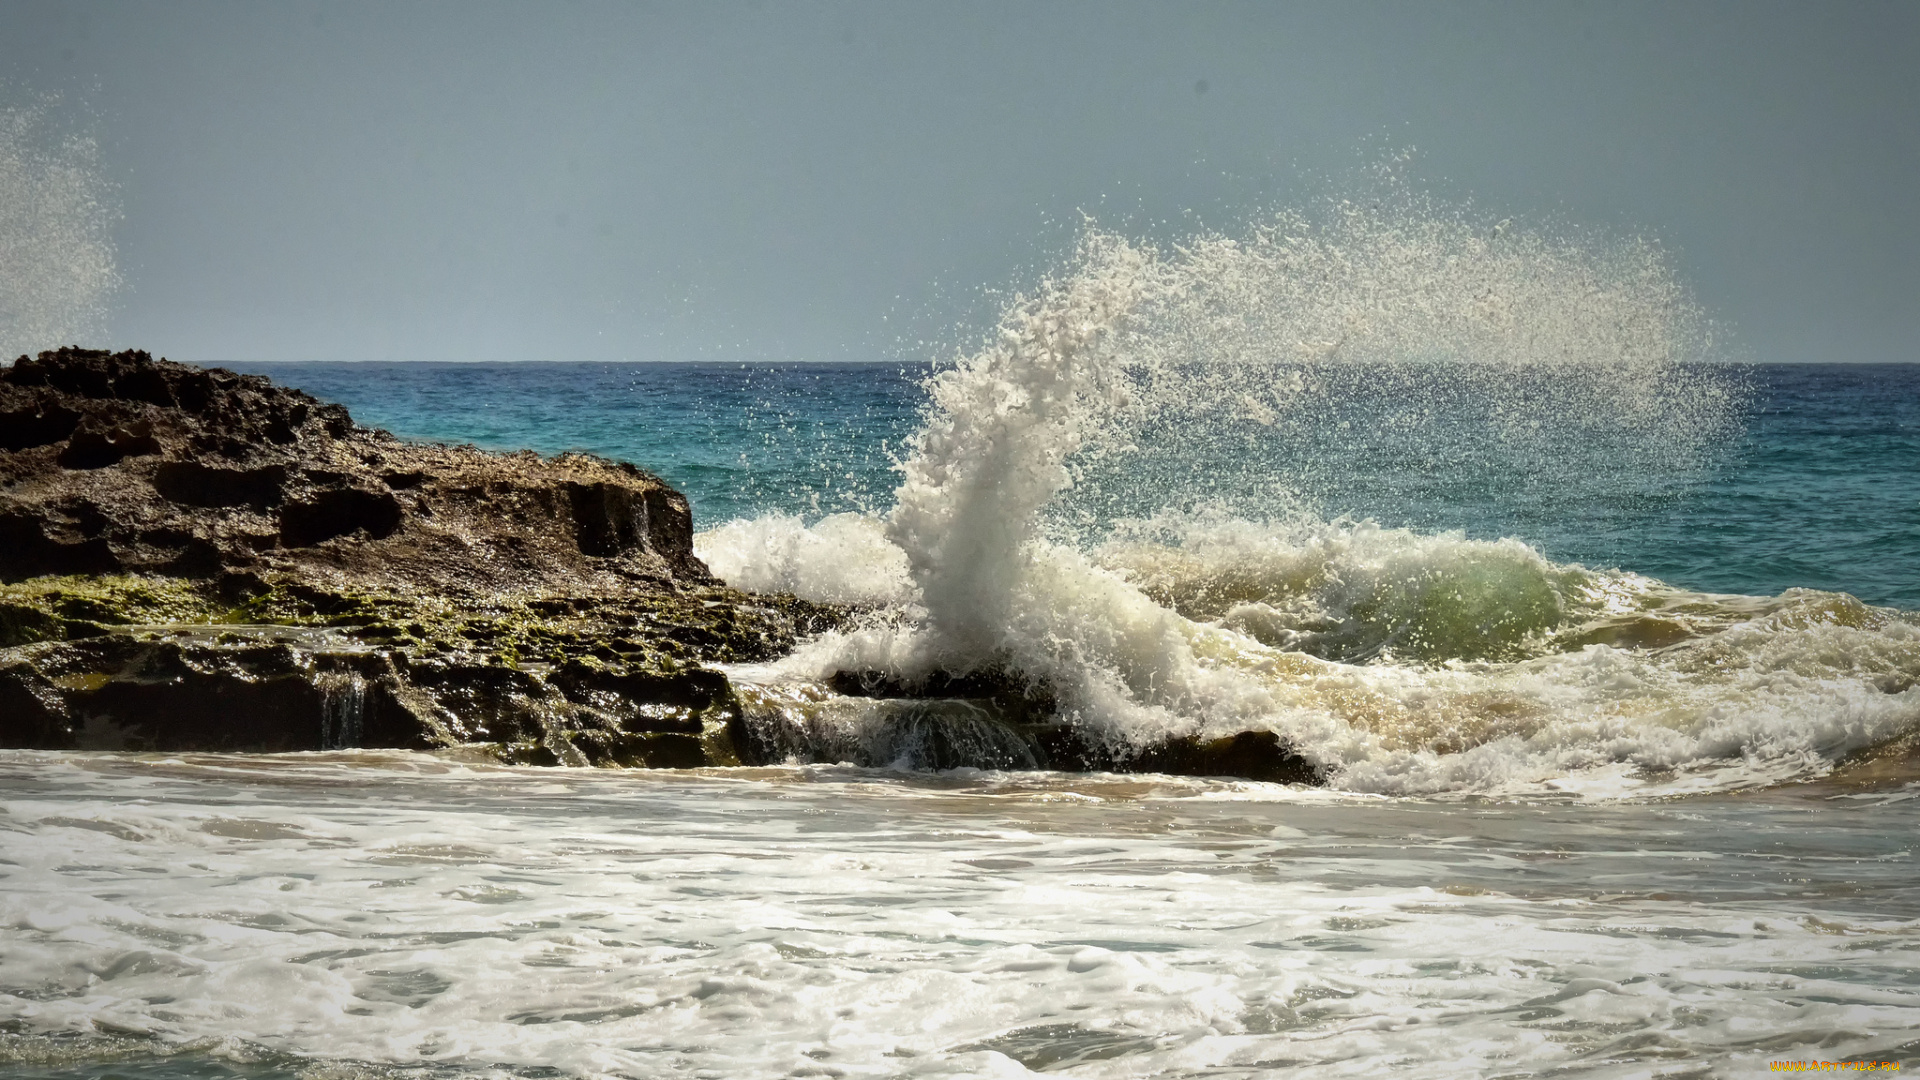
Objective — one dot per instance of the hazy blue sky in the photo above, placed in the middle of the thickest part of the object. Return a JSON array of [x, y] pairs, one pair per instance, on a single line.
[[834, 180]]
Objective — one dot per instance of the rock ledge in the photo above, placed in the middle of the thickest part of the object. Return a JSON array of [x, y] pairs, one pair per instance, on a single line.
[[195, 559]]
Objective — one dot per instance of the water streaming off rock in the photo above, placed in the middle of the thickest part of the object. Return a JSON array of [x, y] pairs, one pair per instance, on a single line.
[[344, 709], [395, 915]]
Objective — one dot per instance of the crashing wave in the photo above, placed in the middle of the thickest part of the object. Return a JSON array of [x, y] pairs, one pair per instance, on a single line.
[[1395, 661]]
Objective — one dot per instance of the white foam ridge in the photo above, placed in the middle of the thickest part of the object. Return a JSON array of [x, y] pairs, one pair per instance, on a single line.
[[1402, 663], [1421, 664]]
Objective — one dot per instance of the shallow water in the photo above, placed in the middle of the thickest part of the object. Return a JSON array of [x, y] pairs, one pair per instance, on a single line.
[[362, 914]]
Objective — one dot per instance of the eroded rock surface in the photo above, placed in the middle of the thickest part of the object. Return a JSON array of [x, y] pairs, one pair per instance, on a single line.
[[194, 559], [120, 463]]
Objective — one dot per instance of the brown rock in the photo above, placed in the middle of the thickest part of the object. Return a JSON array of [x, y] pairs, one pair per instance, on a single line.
[[120, 463]]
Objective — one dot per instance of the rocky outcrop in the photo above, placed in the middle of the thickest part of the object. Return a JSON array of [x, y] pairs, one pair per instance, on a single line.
[[166, 664], [192, 559], [275, 692]]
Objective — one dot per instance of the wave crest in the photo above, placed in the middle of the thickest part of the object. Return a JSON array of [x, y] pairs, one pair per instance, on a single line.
[[1045, 526]]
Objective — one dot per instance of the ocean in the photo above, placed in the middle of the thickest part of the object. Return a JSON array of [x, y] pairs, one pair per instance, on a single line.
[[1605, 646], [1820, 489]]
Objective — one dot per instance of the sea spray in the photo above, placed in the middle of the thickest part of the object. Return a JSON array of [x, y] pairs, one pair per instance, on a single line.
[[1141, 368], [1269, 366], [57, 210], [1111, 500], [999, 430]]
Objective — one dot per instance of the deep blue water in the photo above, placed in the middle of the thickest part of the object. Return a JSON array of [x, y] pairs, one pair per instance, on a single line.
[[1822, 490]]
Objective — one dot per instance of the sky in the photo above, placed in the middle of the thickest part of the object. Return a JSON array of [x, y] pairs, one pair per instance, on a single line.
[[854, 181]]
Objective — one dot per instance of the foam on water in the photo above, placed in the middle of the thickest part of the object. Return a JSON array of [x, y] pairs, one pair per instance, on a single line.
[[394, 915], [57, 266], [840, 559], [1421, 664], [1400, 662]]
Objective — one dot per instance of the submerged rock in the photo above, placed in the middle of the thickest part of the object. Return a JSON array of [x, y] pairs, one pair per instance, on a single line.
[[992, 719]]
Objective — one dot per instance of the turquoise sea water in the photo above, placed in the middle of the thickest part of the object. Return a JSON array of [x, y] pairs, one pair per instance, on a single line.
[[1819, 489]]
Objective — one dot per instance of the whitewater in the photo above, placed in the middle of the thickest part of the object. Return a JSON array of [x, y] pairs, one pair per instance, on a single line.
[[386, 915], [1400, 663], [1574, 818]]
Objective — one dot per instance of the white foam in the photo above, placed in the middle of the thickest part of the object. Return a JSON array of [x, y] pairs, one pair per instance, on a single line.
[[1755, 690], [393, 909], [840, 559]]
